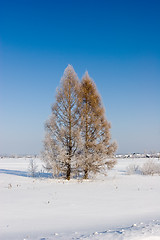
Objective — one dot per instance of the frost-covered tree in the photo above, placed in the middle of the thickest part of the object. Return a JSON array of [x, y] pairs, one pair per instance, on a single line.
[[63, 132], [32, 168], [77, 133], [95, 130]]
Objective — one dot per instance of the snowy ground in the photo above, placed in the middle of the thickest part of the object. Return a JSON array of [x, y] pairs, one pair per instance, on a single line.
[[115, 207]]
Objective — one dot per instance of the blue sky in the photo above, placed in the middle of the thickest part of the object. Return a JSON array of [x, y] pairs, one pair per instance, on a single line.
[[118, 42]]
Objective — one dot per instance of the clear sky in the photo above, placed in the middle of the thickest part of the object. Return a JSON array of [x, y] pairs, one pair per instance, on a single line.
[[118, 42]]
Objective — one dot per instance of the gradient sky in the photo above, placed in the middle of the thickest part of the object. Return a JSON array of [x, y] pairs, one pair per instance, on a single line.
[[118, 42]]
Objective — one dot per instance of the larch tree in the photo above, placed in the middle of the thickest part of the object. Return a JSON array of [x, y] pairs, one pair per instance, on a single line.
[[63, 130], [95, 130]]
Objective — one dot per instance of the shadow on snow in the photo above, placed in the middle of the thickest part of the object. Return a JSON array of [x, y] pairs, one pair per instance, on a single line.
[[26, 174]]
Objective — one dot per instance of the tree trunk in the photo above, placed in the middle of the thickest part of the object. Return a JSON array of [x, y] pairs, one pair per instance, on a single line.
[[86, 140], [85, 174], [68, 176], [70, 139]]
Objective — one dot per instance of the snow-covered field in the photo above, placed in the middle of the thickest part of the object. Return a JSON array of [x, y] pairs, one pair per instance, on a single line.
[[113, 207]]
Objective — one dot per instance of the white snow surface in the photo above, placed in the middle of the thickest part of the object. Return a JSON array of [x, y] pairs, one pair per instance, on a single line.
[[113, 207]]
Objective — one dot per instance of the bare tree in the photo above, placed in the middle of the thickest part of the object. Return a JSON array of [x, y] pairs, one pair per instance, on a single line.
[[95, 130], [63, 133]]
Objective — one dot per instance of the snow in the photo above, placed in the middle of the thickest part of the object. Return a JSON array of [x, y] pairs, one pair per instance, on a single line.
[[113, 207]]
